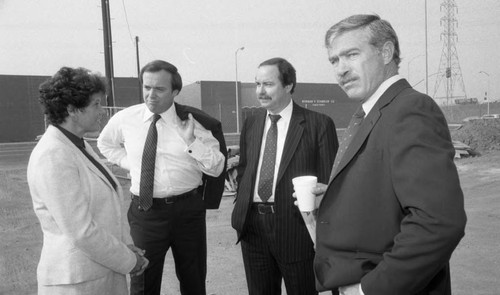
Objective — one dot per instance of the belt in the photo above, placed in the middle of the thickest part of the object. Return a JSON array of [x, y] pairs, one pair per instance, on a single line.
[[168, 200], [263, 208]]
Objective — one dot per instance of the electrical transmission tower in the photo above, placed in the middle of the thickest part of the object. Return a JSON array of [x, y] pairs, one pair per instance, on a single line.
[[449, 72]]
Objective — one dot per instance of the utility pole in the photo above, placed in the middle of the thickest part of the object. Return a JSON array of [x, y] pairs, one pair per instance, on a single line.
[[449, 66], [138, 67], [426, 55], [108, 52], [237, 90]]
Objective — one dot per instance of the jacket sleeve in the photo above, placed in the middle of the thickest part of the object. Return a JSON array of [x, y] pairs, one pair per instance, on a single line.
[[110, 143], [327, 149], [243, 153]]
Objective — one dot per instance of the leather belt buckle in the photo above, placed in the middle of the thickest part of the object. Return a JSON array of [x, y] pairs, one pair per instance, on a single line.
[[172, 199], [166, 200], [265, 209]]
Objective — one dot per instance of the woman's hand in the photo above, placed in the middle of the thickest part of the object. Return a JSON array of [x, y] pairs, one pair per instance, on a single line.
[[141, 262]]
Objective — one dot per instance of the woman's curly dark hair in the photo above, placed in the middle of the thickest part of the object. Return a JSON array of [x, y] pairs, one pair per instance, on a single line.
[[69, 86]]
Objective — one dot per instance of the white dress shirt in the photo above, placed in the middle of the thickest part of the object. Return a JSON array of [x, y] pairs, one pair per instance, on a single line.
[[282, 125], [178, 167], [372, 100]]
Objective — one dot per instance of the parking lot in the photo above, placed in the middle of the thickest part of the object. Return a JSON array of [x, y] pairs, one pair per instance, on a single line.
[[475, 264]]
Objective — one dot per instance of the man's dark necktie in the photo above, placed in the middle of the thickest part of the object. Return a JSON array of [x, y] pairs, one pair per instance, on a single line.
[[148, 166], [349, 133], [268, 160]]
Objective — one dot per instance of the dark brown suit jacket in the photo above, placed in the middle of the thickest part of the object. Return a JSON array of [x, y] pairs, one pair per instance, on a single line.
[[394, 210], [310, 148]]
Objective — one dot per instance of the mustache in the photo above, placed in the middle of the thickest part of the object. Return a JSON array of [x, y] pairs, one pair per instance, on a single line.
[[346, 80]]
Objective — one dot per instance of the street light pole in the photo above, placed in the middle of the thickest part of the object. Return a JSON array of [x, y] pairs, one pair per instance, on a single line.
[[487, 89], [236, 84]]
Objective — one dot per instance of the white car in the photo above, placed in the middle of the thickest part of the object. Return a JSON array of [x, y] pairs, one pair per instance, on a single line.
[[491, 116], [472, 118]]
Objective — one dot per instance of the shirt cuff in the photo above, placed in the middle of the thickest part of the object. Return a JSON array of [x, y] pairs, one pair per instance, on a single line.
[[361, 290], [196, 149]]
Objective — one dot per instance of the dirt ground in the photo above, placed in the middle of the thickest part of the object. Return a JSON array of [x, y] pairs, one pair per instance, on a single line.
[[475, 264]]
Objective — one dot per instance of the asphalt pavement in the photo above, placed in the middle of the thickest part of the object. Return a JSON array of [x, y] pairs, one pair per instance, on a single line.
[[15, 155]]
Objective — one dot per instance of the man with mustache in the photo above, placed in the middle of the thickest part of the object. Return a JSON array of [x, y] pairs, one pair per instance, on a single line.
[[274, 240], [176, 156], [393, 210]]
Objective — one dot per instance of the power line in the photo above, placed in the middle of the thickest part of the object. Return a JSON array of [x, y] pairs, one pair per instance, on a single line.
[[128, 25]]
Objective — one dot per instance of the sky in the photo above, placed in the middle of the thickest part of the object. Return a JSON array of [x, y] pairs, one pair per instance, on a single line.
[[201, 37]]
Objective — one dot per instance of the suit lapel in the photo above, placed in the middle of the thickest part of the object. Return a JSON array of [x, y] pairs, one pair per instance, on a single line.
[[368, 124], [94, 169], [255, 133], [293, 136], [64, 140], [356, 143]]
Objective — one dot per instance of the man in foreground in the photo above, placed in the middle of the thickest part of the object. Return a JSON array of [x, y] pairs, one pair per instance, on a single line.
[[393, 210]]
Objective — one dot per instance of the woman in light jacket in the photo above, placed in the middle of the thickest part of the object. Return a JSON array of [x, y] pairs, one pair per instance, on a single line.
[[87, 247]]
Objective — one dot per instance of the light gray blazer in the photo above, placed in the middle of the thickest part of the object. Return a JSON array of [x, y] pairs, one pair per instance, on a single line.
[[85, 234]]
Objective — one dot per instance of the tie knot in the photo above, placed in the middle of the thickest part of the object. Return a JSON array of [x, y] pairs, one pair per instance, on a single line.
[[274, 118], [360, 113], [156, 117]]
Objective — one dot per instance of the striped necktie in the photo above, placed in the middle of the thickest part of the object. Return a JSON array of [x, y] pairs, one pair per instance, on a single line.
[[148, 166], [349, 133], [268, 160]]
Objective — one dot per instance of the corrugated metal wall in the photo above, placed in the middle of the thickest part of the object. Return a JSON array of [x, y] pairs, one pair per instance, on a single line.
[[21, 118], [328, 99], [219, 101]]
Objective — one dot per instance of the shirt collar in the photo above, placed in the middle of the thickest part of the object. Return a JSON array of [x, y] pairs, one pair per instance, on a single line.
[[73, 138], [169, 116], [286, 113], [372, 100]]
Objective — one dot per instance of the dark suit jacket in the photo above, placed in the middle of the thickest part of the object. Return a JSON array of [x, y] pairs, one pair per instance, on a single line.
[[310, 147], [213, 187], [394, 211]]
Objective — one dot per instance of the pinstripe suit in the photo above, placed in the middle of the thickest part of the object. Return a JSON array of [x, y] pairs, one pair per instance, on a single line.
[[309, 149]]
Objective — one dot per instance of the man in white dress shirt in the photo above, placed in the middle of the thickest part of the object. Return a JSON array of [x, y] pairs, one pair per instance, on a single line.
[[190, 157]]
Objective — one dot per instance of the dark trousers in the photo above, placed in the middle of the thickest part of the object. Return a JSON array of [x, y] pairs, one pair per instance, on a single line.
[[182, 226], [263, 267]]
